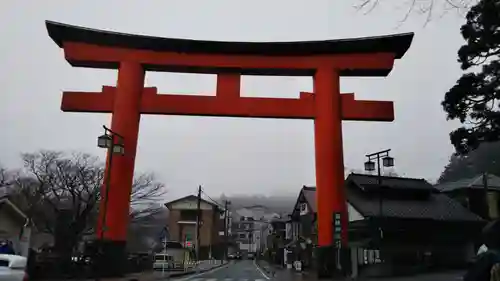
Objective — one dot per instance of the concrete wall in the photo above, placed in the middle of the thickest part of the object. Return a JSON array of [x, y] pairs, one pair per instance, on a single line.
[[190, 204], [209, 229], [173, 226]]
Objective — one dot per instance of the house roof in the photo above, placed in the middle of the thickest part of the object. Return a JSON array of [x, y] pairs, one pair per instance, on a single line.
[[397, 44], [190, 197], [435, 206], [310, 196], [493, 182], [369, 182]]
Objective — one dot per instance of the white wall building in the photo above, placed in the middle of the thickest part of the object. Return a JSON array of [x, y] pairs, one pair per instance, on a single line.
[[248, 225]]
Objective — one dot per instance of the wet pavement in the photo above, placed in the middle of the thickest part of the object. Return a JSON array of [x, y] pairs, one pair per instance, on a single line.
[[247, 270]]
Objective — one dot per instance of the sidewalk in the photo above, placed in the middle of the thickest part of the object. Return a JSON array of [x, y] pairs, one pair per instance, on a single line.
[[282, 274]]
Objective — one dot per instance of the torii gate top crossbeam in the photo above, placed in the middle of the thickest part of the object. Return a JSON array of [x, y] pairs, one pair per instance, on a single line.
[[370, 56]]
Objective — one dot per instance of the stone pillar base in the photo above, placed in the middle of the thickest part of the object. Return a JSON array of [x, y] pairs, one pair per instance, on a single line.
[[111, 258], [325, 262]]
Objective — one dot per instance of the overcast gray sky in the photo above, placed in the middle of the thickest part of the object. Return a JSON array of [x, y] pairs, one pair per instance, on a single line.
[[226, 155]]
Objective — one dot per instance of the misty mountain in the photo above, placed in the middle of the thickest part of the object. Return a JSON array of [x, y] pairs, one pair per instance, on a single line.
[[277, 204]]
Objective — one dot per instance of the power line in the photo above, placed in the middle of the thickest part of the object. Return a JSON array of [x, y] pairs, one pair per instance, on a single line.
[[214, 201]]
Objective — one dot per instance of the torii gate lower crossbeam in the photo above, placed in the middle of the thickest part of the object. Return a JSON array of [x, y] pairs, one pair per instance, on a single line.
[[326, 61]]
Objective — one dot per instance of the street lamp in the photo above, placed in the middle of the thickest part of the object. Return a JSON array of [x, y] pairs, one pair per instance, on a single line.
[[113, 142], [387, 161]]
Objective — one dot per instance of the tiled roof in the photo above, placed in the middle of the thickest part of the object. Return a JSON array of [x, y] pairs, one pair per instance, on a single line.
[[435, 206], [371, 181], [190, 197], [493, 182]]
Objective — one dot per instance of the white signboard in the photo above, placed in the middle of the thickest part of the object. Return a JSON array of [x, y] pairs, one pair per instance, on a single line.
[[288, 231]]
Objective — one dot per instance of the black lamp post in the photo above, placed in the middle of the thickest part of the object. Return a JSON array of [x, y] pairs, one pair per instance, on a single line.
[[113, 142], [387, 161]]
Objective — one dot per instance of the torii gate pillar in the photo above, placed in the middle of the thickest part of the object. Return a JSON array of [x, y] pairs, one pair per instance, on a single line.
[[329, 157], [326, 61]]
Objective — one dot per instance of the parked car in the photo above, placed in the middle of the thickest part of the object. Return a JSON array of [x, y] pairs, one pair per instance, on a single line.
[[251, 256], [167, 262], [13, 268]]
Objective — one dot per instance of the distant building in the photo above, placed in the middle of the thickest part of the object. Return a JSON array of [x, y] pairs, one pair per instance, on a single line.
[[248, 225], [277, 239], [480, 194], [182, 225]]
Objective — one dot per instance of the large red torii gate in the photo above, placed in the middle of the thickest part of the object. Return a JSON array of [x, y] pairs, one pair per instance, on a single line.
[[325, 61]]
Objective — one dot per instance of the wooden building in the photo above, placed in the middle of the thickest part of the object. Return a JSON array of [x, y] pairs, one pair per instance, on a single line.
[[396, 225], [182, 225]]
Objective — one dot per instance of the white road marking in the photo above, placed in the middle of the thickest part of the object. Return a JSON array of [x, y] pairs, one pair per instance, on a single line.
[[192, 277], [260, 270]]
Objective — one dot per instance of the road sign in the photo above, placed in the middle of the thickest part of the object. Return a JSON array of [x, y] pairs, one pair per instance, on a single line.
[[164, 234], [337, 230]]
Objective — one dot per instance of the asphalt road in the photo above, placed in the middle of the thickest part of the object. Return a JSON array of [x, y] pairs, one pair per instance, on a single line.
[[244, 270]]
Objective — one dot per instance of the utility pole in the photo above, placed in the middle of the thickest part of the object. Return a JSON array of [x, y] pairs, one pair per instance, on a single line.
[[198, 219], [226, 221]]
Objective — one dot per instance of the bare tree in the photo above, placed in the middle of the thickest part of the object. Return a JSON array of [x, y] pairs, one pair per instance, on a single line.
[[145, 195], [53, 181], [428, 8]]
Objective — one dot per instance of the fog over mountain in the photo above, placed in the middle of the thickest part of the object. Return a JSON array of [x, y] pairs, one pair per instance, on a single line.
[[280, 204]]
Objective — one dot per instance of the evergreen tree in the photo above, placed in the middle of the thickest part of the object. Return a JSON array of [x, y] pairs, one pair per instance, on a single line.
[[485, 159], [474, 98]]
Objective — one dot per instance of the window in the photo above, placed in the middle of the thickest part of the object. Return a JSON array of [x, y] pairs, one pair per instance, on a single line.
[[241, 235], [303, 208]]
